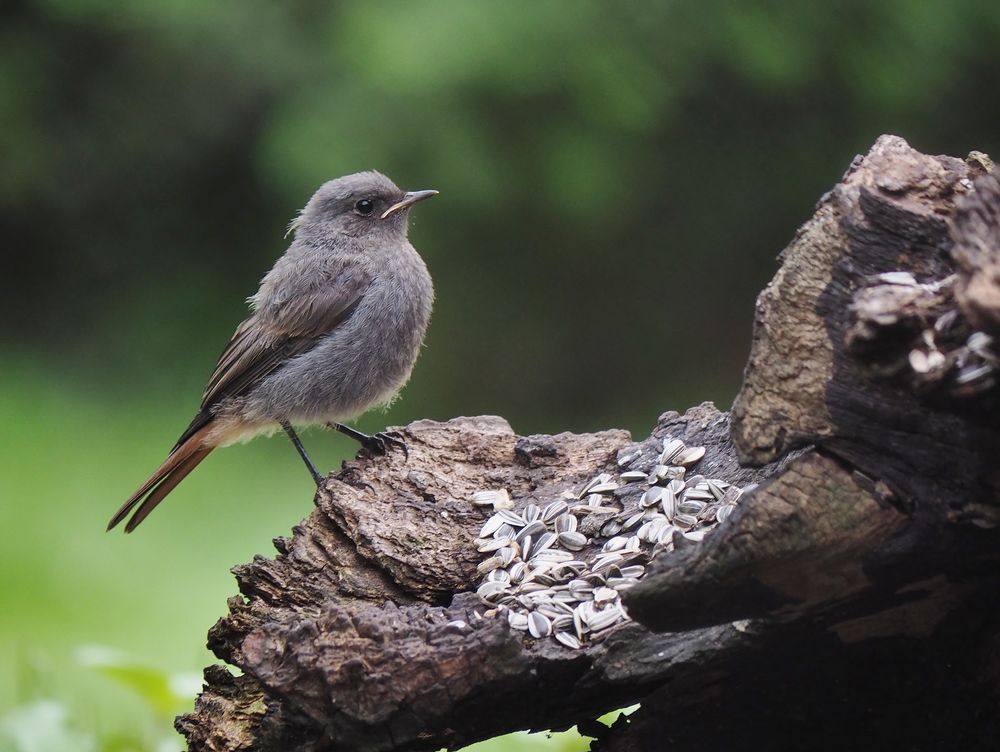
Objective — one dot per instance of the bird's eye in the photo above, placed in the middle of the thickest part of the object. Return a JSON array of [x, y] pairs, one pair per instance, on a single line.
[[365, 206]]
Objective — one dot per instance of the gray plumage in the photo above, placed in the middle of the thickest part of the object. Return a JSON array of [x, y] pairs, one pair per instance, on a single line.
[[335, 329]]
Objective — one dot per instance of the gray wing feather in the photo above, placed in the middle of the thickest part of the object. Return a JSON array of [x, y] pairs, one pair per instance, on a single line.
[[280, 331], [276, 332]]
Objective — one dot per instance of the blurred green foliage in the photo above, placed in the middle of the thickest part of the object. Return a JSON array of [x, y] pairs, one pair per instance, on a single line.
[[616, 178]]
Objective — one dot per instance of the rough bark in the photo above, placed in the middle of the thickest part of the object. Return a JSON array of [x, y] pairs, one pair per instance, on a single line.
[[849, 599]]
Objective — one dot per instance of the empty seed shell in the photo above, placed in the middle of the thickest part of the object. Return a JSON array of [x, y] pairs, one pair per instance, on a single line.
[[491, 526], [693, 481], [604, 488], [632, 520], [611, 528], [604, 561], [553, 555], [602, 619], [698, 494], [602, 478], [517, 620], [669, 500], [670, 448], [498, 498], [517, 570], [689, 456], [488, 545], [532, 528], [604, 595], [539, 625], [565, 523], [675, 472], [685, 521], [499, 575], [666, 535], [553, 510], [627, 459], [688, 506], [569, 640], [512, 518], [717, 487], [488, 565], [615, 544], [651, 497], [525, 543], [572, 540], [658, 473], [545, 540], [490, 591], [505, 531]]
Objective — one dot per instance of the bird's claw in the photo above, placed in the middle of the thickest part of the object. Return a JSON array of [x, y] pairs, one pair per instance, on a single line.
[[380, 442], [352, 476]]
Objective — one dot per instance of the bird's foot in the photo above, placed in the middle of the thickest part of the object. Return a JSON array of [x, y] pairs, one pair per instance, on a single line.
[[380, 443], [351, 475], [376, 444]]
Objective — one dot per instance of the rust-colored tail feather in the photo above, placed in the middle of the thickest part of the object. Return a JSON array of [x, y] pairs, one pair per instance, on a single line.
[[174, 469]]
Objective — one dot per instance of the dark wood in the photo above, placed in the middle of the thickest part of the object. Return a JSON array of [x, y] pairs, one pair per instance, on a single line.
[[849, 602]]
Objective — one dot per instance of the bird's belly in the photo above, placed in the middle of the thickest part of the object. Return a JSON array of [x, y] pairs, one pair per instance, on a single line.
[[347, 373]]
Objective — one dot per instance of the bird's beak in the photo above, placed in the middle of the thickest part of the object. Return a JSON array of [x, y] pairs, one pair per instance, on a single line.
[[409, 199]]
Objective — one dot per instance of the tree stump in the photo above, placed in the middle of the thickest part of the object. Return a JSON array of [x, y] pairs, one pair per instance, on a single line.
[[848, 602]]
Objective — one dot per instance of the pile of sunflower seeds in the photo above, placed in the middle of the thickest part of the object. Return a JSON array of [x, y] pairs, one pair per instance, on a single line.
[[945, 352], [557, 570]]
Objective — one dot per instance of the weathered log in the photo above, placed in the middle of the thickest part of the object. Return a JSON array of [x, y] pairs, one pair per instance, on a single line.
[[860, 565]]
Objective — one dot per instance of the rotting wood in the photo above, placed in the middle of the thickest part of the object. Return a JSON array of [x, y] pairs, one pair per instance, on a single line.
[[859, 573]]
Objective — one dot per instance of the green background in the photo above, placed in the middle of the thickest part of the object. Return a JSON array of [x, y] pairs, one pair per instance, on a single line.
[[616, 180]]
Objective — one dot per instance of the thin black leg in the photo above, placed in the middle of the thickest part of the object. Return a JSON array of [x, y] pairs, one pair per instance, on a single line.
[[377, 443], [302, 452]]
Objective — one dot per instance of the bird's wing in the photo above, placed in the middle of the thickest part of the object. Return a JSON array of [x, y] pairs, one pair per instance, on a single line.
[[281, 331], [274, 334]]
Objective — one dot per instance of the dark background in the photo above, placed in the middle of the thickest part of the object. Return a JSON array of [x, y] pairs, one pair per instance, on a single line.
[[616, 181]]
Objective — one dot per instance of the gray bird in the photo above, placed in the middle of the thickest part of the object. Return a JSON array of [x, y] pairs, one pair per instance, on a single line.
[[334, 329]]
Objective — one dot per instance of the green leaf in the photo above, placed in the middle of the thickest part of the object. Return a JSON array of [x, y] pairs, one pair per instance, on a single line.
[[164, 692]]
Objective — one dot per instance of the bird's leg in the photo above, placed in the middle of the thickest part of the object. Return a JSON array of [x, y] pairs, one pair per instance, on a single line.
[[378, 443], [302, 452]]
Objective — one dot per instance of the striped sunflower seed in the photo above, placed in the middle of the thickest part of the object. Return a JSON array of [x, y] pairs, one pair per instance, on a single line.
[[689, 456], [491, 526], [632, 476], [539, 625], [497, 498], [572, 540], [554, 510], [569, 640], [565, 523], [671, 447]]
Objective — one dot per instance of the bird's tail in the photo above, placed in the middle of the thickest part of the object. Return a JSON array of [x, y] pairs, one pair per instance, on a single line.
[[182, 460]]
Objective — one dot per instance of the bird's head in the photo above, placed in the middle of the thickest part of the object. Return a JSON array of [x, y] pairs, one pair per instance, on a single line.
[[365, 203]]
